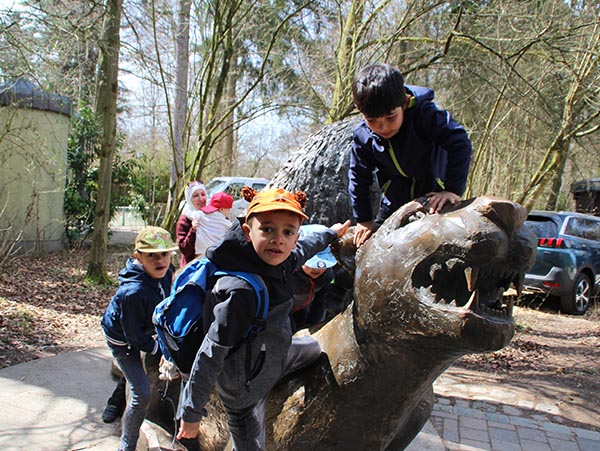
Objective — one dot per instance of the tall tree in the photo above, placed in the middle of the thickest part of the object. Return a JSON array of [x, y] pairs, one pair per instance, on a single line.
[[106, 111], [525, 76], [53, 43], [182, 53], [580, 113]]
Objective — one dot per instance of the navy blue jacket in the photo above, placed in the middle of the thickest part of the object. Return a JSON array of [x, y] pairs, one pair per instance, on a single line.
[[310, 297], [432, 152], [127, 320]]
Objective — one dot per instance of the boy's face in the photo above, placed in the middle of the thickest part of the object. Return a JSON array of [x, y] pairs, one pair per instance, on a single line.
[[199, 199], [388, 125], [273, 234], [156, 264]]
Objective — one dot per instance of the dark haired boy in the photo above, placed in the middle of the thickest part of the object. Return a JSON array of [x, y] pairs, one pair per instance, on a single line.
[[415, 148]]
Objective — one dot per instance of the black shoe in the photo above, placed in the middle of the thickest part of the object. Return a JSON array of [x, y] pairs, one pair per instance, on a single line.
[[111, 413]]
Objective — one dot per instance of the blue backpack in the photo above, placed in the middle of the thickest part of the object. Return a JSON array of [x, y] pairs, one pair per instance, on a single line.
[[178, 318]]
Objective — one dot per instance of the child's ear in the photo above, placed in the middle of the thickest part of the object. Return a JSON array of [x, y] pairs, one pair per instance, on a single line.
[[246, 229], [136, 255]]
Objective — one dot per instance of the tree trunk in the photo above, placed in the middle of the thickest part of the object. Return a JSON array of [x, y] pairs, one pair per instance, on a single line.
[[558, 176], [181, 98], [106, 111], [346, 63]]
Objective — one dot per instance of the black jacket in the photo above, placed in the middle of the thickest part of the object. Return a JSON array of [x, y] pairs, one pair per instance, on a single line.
[[229, 309]]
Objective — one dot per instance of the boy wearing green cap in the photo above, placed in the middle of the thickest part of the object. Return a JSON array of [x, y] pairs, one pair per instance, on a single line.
[[127, 322]]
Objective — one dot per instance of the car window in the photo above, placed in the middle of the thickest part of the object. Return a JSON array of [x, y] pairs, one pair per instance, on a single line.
[[258, 186], [215, 186], [234, 190], [588, 229], [542, 227]]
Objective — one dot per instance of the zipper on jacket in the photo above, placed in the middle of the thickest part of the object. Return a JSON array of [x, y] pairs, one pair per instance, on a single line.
[[311, 282], [400, 170]]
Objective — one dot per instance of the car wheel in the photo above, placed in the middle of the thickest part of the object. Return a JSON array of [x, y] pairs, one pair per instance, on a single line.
[[578, 301]]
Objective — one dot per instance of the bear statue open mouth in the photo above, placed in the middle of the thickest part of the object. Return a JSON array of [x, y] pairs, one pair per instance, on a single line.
[[478, 288], [446, 273]]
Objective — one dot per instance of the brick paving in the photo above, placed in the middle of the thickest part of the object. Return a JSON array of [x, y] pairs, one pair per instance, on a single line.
[[473, 425]]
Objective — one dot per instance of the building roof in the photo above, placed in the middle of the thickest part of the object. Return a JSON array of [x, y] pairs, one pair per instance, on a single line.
[[24, 94], [586, 185]]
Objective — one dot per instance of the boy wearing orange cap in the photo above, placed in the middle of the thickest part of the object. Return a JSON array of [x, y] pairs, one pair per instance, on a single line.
[[267, 244]]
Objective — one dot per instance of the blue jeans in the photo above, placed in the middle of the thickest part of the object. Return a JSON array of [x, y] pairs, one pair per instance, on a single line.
[[247, 425], [130, 363]]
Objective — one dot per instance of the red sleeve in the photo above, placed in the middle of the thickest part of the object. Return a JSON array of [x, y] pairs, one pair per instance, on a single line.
[[186, 239]]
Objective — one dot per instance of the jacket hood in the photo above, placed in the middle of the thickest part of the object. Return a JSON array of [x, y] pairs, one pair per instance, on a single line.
[[238, 254], [421, 93], [134, 273]]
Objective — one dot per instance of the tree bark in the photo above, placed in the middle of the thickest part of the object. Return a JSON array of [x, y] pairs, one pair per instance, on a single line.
[[181, 98], [106, 111]]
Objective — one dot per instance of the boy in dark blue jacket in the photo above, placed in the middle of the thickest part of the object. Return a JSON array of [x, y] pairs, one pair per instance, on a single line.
[[415, 148], [127, 322], [311, 285], [266, 244]]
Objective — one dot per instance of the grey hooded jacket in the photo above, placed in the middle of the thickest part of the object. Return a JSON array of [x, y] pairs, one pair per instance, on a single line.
[[229, 309]]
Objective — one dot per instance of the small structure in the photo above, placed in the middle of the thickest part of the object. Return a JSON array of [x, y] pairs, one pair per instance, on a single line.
[[34, 127], [587, 196]]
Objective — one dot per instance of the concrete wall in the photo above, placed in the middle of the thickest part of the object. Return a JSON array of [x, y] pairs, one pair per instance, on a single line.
[[33, 164]]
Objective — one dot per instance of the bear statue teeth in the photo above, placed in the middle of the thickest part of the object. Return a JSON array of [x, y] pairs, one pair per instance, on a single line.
[[519, 282], [471, 276], [473, 303]]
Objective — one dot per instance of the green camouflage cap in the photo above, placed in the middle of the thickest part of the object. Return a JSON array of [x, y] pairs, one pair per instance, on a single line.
[[154, 239]]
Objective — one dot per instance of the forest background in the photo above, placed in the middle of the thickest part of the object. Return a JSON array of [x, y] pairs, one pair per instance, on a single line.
[[171, 91]]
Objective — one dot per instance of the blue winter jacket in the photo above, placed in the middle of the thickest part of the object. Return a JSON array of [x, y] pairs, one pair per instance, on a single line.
[[127, 320], [430, 152]]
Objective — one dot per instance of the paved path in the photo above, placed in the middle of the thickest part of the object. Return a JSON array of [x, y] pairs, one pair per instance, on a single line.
[[55, 403], [472, 418]]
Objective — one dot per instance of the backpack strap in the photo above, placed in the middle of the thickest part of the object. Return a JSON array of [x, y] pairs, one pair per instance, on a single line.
[[262, 295], [259, 322]]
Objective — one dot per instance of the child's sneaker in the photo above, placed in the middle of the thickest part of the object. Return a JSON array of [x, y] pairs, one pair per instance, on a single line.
[[112, 412]]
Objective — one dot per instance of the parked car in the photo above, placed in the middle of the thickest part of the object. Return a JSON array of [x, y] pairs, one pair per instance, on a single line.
[[567, 263], [233, 185]]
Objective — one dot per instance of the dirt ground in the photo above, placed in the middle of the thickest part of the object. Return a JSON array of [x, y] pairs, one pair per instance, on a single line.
[[47, 308], [552, 356]]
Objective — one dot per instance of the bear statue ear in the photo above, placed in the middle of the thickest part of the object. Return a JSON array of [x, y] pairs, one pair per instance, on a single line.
[[407, 213], [344, 251], [248, 193]]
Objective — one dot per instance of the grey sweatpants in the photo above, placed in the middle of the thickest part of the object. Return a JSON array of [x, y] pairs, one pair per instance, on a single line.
[[247, 425]]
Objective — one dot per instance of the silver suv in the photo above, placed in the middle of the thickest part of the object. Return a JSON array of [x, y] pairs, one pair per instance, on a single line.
[[233, 185], [567, 263]]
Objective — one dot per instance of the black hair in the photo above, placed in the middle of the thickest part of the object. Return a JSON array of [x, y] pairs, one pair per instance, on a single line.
[[378, 89]]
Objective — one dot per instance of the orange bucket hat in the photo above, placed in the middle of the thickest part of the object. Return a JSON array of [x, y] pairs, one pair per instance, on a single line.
[[274, 199]]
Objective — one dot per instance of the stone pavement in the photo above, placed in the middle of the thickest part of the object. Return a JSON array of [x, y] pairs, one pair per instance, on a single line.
[[55, 404], [473, 418]]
